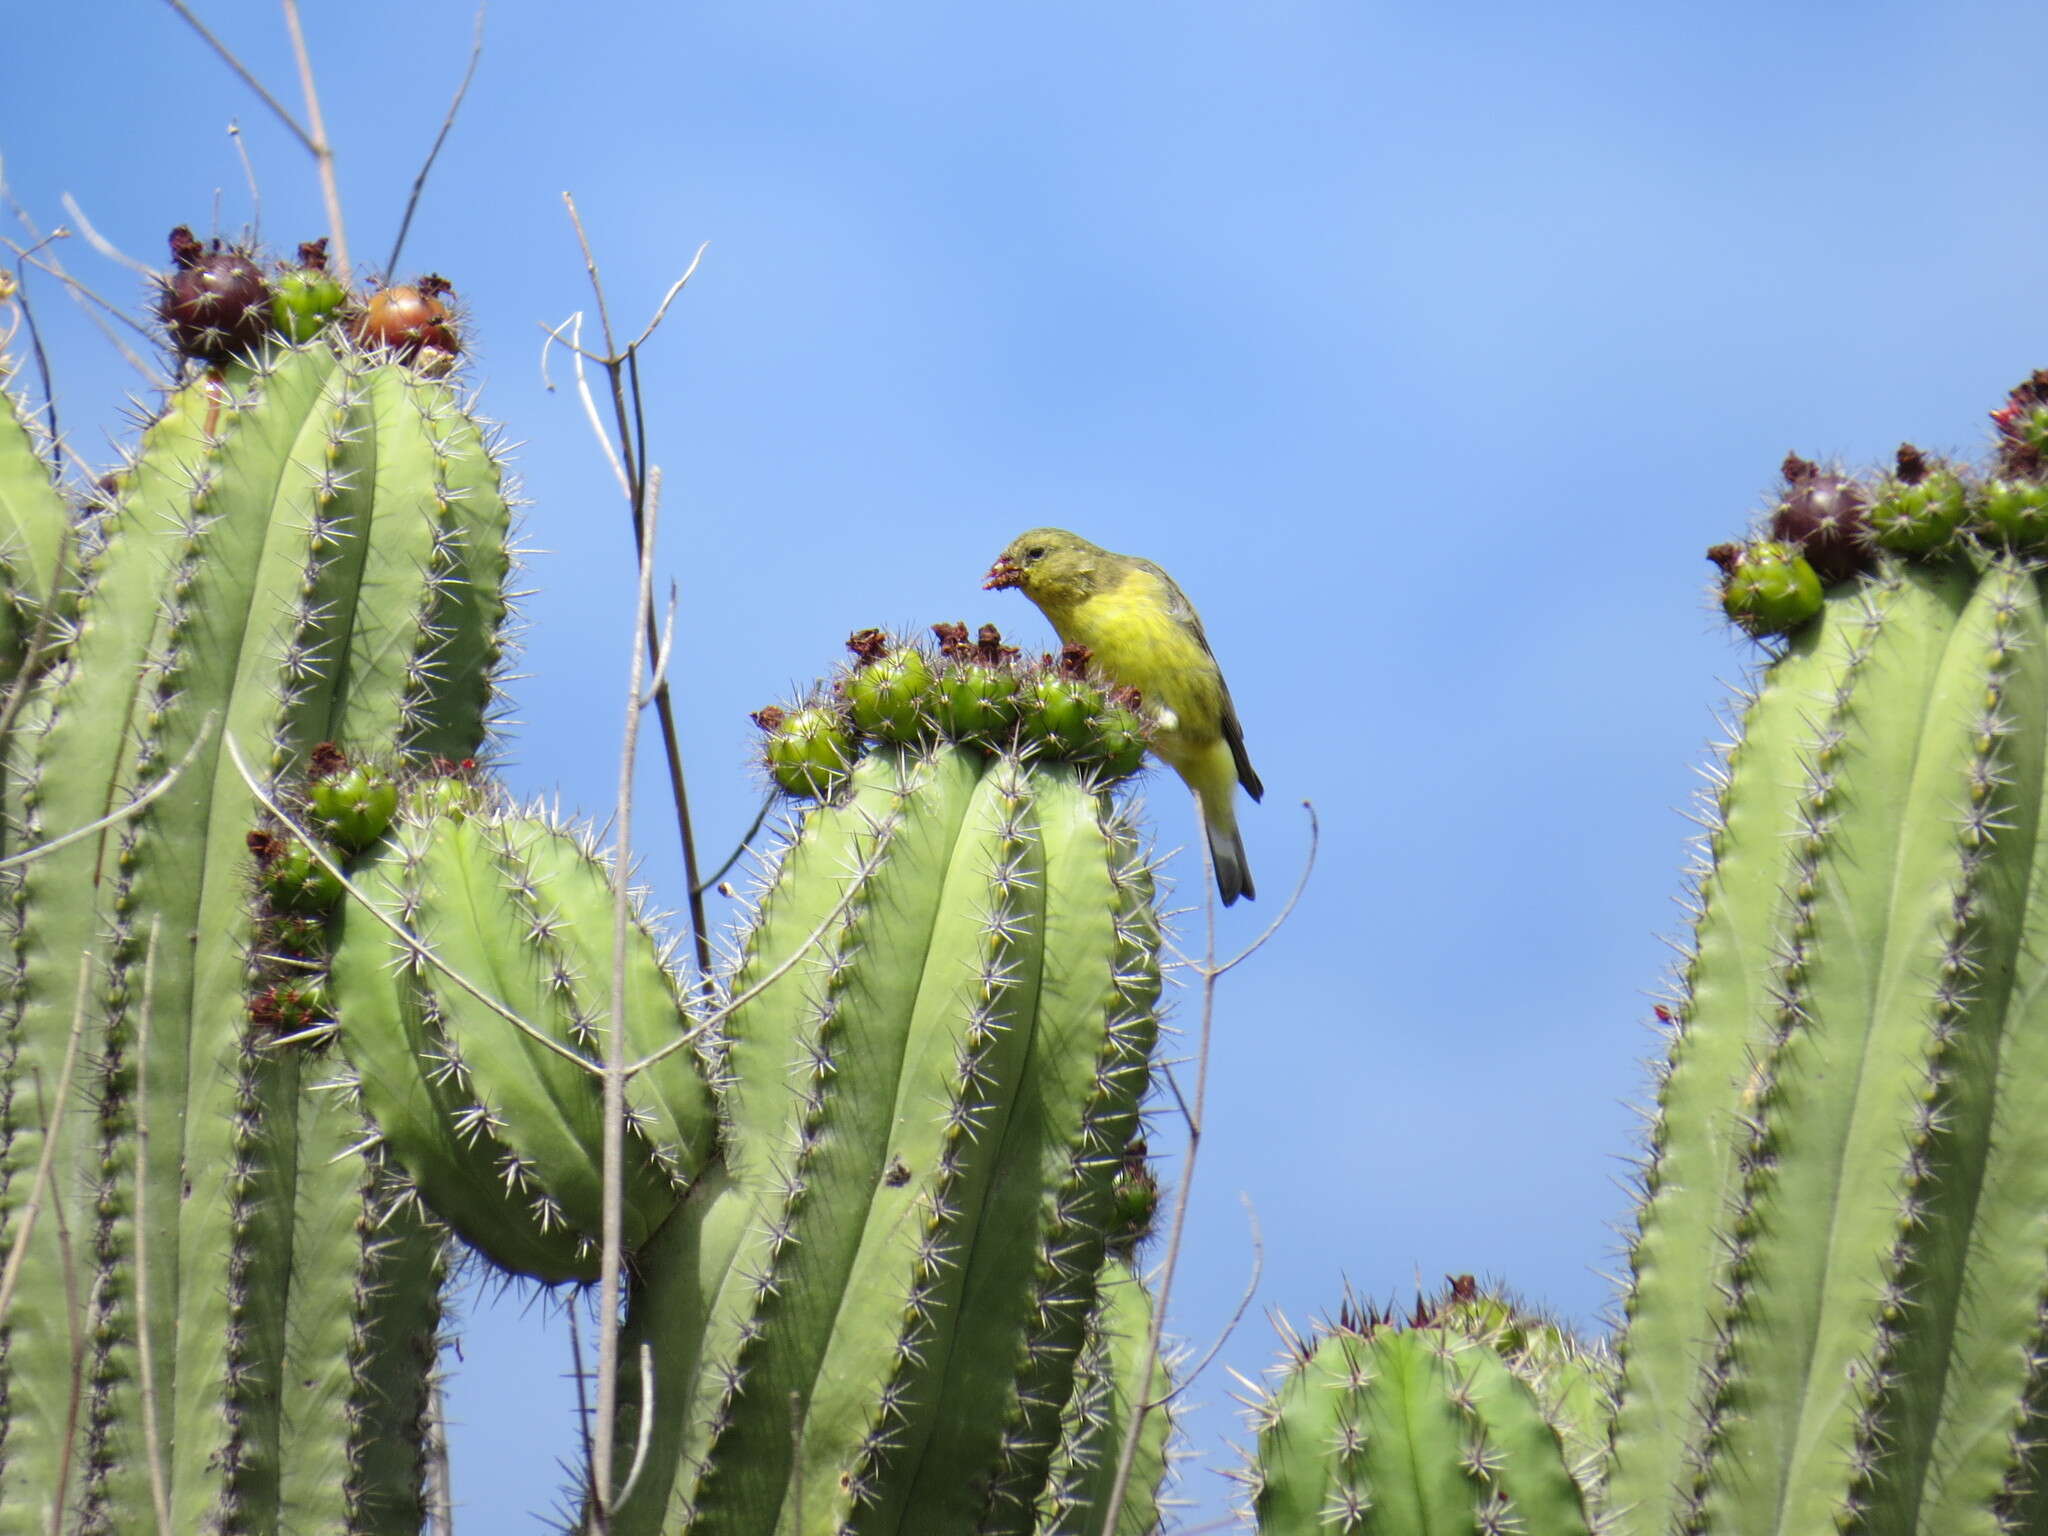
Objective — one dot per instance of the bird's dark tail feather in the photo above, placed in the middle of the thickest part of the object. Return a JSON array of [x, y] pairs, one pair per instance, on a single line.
[[1233, 873]]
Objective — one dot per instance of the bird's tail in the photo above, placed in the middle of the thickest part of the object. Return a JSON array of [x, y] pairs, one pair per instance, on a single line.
[[1226, 849]]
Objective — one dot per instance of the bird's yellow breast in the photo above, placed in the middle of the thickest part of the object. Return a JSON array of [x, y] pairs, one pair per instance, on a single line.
[[1137, 641]]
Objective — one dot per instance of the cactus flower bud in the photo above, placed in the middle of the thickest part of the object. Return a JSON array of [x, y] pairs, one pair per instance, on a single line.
[[1769, 588]]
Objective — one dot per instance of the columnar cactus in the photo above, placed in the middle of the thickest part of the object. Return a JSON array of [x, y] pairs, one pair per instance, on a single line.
[[1836, 1319], [309, 548], [1430, 1422]]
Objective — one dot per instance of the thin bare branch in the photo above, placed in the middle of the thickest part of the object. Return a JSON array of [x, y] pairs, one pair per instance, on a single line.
[[145, 1348], [322, 147], [1308, 867], [440, 1487], [1251, 1289], [27, 855], [578, 355], [53, 1121], [419, 182], [645, 1435], [746, 838], [668, 635], [661, 309], [228, 58], [241, 144], [611, 1256], [101, 243]]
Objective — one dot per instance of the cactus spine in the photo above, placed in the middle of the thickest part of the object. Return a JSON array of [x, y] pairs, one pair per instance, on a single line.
[[310, 547]]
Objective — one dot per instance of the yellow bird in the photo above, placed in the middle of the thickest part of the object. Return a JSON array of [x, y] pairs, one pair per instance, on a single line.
[[1144, 633]]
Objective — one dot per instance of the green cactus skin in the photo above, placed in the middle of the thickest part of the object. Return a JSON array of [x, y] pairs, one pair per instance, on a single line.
[[503, 1137], [923, 1129], [309, 549], [1836, 1316], [1106, 1392], [1379, 1427], [34, 528]]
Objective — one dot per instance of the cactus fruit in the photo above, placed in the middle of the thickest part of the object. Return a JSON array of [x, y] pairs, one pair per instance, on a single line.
[[888, 693], [1919, 507], [351, 803], [924, 1127], [809, 750], [215, 302], [1767, 587], [1381, 1423], [1822, 515], [306, 297], [310, 547], [414, 322]]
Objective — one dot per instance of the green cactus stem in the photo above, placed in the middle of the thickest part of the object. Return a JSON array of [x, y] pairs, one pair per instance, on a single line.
[[1380, 1423], [1835, 1321], [1107, 1391], [925, 1123], [310, 547]]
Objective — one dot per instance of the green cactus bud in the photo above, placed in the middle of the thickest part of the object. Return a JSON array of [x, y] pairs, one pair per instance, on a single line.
[[306, 297], [352, 805], [978, 686], [1768, 587], [1060, 713], [289, 1007], [810, 752], [888, 694], [2014, 513], [1919, 509], [293, 879]]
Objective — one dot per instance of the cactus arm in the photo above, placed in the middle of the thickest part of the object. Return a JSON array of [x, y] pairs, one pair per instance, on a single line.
[[406, 1080], [1679, 1259]]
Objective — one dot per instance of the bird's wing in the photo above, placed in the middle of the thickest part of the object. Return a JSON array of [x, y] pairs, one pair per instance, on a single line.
[[1177, 604], [1183, 612]]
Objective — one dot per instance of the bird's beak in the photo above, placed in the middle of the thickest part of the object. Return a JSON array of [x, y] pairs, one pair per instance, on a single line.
[[1004, 573]]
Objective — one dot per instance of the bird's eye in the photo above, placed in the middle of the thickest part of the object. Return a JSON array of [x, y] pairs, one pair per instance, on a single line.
[[1037, 553]]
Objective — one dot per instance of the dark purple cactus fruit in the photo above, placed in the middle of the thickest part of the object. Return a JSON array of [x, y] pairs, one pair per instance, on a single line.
[[1823, 515], [215, 301]]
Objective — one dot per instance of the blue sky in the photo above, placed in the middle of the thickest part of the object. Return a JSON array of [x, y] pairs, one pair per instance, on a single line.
[[1428, 347]]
